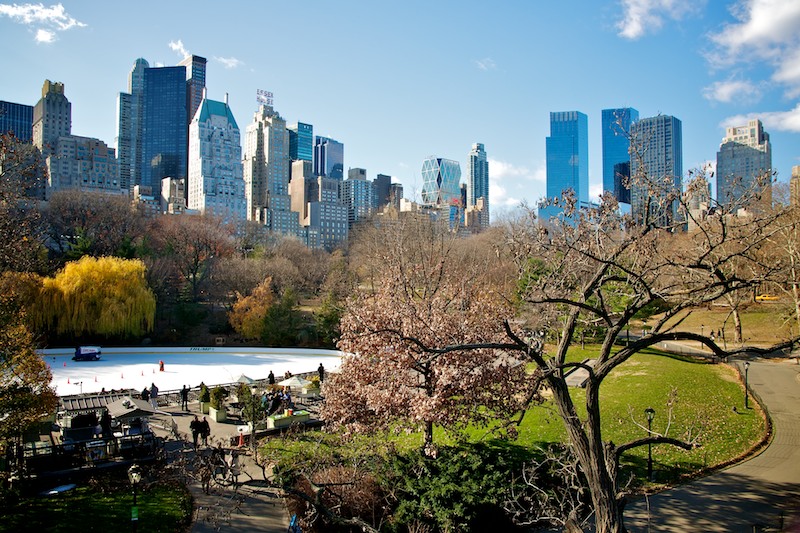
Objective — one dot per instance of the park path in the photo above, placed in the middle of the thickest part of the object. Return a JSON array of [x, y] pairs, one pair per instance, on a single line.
[[760, 494]]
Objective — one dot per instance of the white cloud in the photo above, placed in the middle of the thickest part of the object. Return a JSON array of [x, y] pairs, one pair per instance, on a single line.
[[765, 31], [45, 36], [732, 90], [177, 46], [773, 120], [647, 16], [46, 21], [511, 184], [487, 63], [229, 62]]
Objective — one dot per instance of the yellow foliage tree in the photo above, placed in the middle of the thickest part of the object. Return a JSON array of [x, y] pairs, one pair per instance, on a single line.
[[247, 315], [105, 296]]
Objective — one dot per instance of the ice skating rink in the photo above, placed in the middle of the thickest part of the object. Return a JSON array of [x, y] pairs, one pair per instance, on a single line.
[[137, 368]]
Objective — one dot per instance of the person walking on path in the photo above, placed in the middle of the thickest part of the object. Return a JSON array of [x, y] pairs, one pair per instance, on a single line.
[[321, 372], [185, 398], [154, 395], [205, 431], [194, 427], [271, 378], [145, 394]]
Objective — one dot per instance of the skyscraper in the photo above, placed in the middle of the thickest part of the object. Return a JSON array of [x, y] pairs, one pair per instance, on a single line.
[[358, 194], [266, 172], [478, 182], [441, 181], [195, 83], [656, 168], [164, 129], [52, 118], [328, 158], [383, 184], [301, 142], [616, 129], [567, 153], [129, 127], [16, 119], [215, 184], [744, 156]]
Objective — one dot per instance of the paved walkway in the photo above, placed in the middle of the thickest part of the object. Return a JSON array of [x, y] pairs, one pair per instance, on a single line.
[[761, 494], [245, 507]]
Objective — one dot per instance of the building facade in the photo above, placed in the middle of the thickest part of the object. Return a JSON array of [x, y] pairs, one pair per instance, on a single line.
[[164, 131], [441, 181], [301, 142], [567, 153], [129, 127], [358, 194], [616, 129], [82, 163], [743, 160], [16, 119], [478, 184], [52, 118], [215, 184], [195, 83], [656, 169], [328, 158]]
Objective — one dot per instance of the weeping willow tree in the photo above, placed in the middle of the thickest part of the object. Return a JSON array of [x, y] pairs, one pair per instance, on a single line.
[[105, 296]]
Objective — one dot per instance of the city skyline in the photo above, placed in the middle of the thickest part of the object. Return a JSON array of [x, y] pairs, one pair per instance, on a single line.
[[374, 93]]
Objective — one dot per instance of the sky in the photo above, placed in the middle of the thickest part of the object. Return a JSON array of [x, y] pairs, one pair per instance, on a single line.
[[397, 82]]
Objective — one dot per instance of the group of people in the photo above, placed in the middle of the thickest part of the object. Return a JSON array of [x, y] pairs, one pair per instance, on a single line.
[[151, 395], [200, 428], [275, 401]]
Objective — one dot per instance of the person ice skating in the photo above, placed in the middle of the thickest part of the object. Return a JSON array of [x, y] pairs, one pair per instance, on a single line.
[[161, 366], [194, 427], [185, 398], [321, 372], [154, 395]]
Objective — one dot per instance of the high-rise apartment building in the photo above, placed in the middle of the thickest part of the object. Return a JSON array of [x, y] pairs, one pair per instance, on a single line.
[[195, 83], [382, 184], [52, 118], [395, 195], [656, 168], [215, 184], [328, 158], [129, 127], [616, 129], [266, 172], [441, 182], [164, 125], [358, 194], [478, 183], [82, 163], [567, 159], [301, 142], [16, 119], [744, 157]]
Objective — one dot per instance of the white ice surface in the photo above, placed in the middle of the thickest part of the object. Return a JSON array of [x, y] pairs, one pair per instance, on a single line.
[[136, 368]]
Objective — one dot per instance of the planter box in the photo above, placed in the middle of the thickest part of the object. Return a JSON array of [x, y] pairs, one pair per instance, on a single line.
[[282, 421], [217, 415], [204, 407]]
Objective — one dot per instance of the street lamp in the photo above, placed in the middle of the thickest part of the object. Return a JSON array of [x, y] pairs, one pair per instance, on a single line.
[[253, 399], [746, 367], [650, 413], [702, 327], [134, 475]]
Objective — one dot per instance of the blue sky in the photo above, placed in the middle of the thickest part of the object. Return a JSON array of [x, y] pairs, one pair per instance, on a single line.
[[397, 82]]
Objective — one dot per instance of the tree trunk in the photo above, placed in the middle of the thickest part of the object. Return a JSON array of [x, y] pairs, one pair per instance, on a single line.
[[737, 326]]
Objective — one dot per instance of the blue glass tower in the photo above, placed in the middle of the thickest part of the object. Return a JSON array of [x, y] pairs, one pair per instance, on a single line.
[[164, 131], [616, 146], [567, 150], [441, 182], [329, 158], [478, 178], [301, 142], [656, 168], [16, 119]]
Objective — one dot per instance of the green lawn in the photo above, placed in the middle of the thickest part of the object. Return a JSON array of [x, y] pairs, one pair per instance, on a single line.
[[85, 509]]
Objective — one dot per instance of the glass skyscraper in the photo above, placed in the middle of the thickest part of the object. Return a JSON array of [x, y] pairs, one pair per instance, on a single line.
[[16, 119], [129, 127], [744, 155], [567, 150], [616, 124], [478, 180], [328, 158], [195, 83], [164, 125], [441, 180], [656, 168], [301, 142]]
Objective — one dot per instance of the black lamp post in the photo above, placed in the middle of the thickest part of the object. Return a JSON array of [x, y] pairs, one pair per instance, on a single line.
[[746, 367], [702, 328], [254, 405], [650, 413], [134, 475]]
